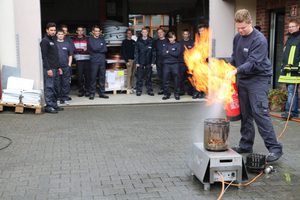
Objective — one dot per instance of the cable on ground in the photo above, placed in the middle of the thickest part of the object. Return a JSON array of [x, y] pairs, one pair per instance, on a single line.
[[223, 182], [8, 143]]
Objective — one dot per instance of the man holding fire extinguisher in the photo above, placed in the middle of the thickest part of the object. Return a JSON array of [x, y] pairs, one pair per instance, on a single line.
[[250, 58]]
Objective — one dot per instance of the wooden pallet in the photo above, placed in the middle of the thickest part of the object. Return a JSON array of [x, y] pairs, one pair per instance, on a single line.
[[115, 91], [19, 108]]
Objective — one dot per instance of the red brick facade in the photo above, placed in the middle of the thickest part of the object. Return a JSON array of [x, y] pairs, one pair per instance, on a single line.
[[263, 13]]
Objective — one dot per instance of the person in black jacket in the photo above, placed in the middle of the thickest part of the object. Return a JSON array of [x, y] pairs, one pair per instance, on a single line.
[[171, 53], [51, 68], [160, 43], [145, 52], [188, 43], [128, 46], [97, 48]]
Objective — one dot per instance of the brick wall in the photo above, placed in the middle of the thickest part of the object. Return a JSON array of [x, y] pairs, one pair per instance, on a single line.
[[263, 13]]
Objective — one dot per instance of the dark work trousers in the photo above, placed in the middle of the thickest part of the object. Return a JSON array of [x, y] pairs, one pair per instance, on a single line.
[[50, 91], [63, 84], [160, 72], [183, 76], [169, 71], [148, 75], [97, 69], [253, 97], [83, 68], [70, 78]]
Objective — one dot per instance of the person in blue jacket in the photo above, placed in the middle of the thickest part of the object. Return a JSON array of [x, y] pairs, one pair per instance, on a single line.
[[188, 43], [171, 53], [97, 48], [250, 57], [145, 52]]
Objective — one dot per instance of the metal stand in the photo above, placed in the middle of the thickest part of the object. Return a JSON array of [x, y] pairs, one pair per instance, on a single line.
[[205, 165]]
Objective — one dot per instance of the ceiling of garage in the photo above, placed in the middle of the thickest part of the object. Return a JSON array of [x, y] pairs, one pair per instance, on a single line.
[[158, 6]]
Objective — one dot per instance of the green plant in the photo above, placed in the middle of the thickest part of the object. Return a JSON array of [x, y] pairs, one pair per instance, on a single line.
[[277, 99]]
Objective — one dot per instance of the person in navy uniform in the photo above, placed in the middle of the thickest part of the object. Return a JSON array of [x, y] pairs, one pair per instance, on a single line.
[[51, 68], [171, 53], [188, 43], [145, 52], [65, 52], [97, 49], [250, 57], [160, 43], [70, 41]]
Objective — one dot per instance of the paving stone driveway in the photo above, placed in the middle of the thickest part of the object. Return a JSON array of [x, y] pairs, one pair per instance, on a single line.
[[127, 152]]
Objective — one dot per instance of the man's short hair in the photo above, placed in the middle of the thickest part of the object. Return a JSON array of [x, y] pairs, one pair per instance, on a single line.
[[160, 29], [171, 34], [63, 26], [128, 30], [145, 29], [80, 26], [201, 26], [242, 15], [59, 30], [294, 21], [96, 26], [186, 30], [50, 24]]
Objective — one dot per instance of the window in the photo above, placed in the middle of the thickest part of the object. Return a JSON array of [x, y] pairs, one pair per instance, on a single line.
[[139, 21], [147, 20], [166, 20], [156, 20]]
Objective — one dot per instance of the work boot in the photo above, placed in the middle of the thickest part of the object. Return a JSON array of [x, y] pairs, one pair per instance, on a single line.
[[239, 149], [274, 156], [285, 116]]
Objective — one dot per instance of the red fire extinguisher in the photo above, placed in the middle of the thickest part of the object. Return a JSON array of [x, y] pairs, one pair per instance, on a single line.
[[233, 111]]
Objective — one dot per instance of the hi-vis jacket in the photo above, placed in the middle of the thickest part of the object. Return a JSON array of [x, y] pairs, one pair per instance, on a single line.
[[291, 59]]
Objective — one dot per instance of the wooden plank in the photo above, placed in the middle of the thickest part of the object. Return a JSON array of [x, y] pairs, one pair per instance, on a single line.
[[19, 108]]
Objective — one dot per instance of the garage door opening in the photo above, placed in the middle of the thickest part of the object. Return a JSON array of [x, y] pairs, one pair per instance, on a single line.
[[175, 15]]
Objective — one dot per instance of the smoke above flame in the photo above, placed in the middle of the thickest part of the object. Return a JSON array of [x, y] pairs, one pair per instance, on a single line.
[[208, 74]]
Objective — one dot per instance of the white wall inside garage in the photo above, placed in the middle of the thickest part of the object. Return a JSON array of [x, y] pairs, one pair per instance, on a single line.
[[8, 53], [221, 22], [28, 26]]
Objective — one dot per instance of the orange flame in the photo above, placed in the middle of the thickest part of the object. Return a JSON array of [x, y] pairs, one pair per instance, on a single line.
[[216, 141], [209, 73]]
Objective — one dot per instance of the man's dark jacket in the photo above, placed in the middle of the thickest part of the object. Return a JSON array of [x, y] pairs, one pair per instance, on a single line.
[[145, 51]]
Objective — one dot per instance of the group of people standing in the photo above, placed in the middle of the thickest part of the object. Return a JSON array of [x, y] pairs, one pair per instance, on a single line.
[[57, 54], [89, 53], [167, 54]]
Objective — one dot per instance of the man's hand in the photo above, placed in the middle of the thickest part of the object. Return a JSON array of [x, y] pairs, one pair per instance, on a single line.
[[50, 73], [230, 74], [152, 65], [128, 64], [167, 51], [60, 72], [137, 65], [85, 48]]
